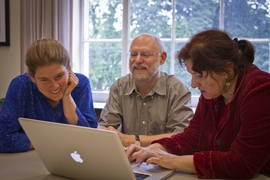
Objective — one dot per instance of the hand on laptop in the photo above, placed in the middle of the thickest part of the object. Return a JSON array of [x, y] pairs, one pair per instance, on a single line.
[[153, 154], [142, 154]]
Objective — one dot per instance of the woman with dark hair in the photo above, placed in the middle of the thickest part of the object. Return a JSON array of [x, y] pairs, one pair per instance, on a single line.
[[49, 91], [228, 137]]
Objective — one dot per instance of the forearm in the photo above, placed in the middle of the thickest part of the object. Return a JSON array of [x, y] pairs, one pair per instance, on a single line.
[[163, 158], [69, 107], [146, 140]]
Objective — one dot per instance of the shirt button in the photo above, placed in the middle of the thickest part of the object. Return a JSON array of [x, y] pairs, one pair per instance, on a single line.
[[143, 122], [144, 104], [218, 142]]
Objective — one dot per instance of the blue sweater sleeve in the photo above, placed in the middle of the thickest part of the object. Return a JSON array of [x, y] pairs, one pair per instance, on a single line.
[[12, 136], [82, 96]]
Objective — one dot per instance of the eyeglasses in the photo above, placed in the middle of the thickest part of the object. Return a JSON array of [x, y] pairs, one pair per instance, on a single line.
[[142, 54]]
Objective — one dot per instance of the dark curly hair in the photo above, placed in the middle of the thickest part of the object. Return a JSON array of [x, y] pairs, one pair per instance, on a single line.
[[212, 50]]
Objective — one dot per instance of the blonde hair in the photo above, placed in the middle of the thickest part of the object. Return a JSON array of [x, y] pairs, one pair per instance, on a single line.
[[45, 52]]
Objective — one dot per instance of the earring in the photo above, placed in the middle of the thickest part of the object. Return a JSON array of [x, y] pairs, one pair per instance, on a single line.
[[227, 84]]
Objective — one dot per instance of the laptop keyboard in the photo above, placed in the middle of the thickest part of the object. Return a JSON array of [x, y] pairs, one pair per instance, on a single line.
[[140, 176]]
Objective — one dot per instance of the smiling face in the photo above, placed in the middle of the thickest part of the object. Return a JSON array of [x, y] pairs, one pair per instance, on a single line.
[[210, 85], [145, 58], [51, 81]]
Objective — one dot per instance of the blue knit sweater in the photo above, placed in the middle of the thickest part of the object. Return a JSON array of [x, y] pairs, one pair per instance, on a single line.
[[23, 99]]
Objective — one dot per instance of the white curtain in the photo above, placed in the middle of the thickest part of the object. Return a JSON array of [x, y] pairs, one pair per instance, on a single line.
[[45, 19]]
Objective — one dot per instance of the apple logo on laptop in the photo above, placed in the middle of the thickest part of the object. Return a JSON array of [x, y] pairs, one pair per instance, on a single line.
[[76, 157]]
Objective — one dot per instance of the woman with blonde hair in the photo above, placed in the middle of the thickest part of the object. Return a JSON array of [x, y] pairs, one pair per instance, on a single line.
[[49, 91]]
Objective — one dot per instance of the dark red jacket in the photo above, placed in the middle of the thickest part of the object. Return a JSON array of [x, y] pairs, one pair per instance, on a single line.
[[241, 141]]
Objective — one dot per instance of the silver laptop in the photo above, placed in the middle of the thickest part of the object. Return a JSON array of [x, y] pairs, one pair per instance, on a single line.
[[85, 153]]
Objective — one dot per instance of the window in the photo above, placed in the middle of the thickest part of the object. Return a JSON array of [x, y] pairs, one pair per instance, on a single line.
[[110, 25]]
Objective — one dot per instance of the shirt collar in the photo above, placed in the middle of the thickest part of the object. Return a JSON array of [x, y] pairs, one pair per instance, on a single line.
[[159, 87]]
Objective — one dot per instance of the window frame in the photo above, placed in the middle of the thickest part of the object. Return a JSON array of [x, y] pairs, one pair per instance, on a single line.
[[100, 97]]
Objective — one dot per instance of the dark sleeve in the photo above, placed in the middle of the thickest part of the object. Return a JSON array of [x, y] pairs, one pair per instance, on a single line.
[[12, 137], [249, 152], [82, 96]]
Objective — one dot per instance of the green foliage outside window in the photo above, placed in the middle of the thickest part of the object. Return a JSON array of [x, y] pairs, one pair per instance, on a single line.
[[242, 19]]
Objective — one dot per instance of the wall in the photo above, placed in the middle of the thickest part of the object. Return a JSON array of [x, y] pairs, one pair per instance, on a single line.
[[10, 65]]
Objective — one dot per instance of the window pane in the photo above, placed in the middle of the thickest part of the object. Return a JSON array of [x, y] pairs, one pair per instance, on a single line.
[[104, 64], [147, 16], [193, 16], [262, 57], [247, 19], [250, 19], [103, 19], [182, 73], [166, 67]]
